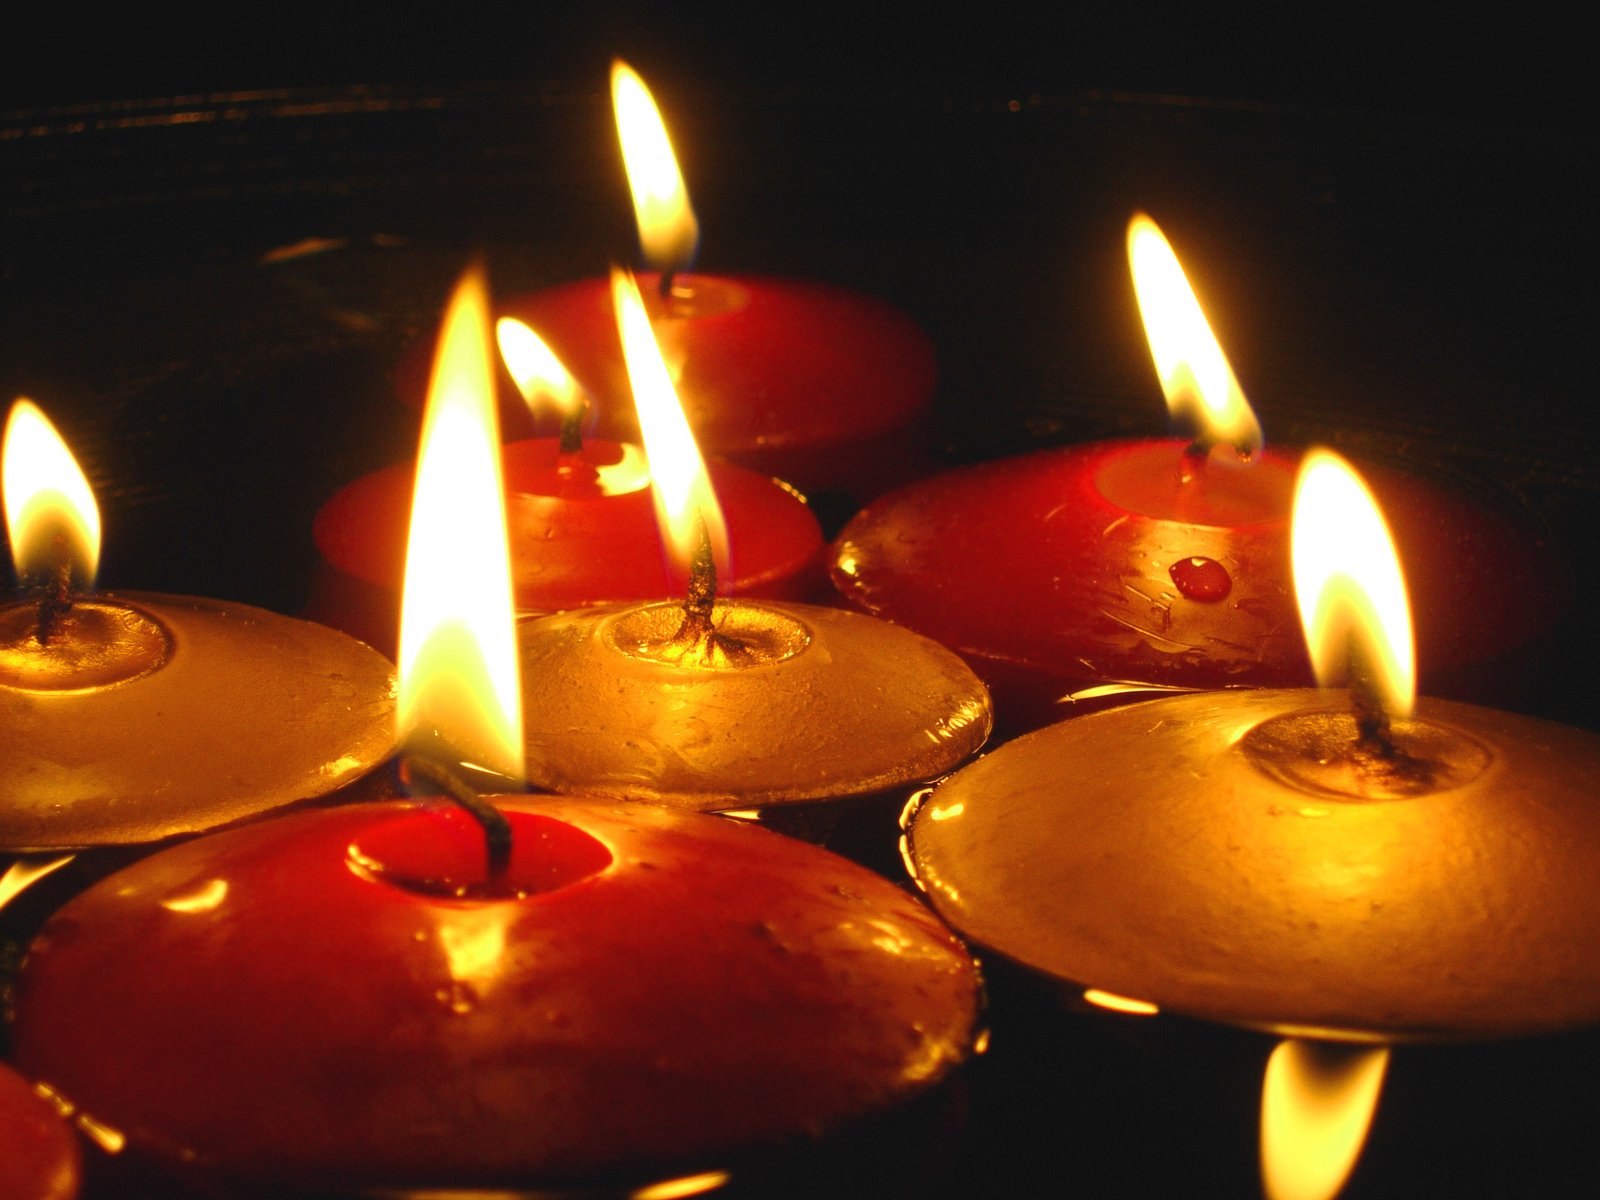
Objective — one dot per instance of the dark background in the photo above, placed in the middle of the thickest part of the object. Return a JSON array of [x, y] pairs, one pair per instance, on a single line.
[[1391, 227]]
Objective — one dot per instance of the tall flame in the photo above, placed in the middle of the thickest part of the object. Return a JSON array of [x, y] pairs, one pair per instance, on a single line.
[[458, 652], [1347, 580], [1195, 376], [684, 498], [1317, 1103], [668, 231], [51, 515], [537, 372]]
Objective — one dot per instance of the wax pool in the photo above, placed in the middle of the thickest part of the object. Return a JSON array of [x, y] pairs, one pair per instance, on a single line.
[[1064, 569], [583, 531], [825, 388], [340, 997]]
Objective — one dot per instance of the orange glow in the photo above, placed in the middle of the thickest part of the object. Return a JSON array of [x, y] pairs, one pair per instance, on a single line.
[[682, 488], [1347, 580], [458, 650], [1317, 1102], [1195, 376], [668, 231], [537, 372], [50, 508], [1121, 1004]]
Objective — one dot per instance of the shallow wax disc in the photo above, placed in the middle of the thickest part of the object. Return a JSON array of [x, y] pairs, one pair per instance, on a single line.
[[208, 713], [847, 705], [308, 1000], [1145, 851]]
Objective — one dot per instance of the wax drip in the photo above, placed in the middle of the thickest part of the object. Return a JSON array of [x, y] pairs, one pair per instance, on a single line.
[[698, 634], [454, 784], [572, 426]]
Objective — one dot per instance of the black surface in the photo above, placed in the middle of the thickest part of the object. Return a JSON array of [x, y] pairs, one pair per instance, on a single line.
[[1412, 288]]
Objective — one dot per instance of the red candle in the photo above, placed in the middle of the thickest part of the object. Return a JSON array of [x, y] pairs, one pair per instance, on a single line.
[[583, 531], [39, 1157], [340, 998], [1060, 570], [819, 386]]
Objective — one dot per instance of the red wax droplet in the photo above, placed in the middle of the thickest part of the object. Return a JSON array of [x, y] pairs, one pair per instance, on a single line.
[[261, 1005], [1201, 578], [39, 1157]]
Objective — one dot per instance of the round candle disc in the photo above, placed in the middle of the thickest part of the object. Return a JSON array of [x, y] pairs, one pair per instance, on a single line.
[[194, 713], [1209, 855], [328, 997], [829, 704]]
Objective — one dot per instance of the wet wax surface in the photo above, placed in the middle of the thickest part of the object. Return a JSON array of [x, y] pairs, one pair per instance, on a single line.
[[1390, 286]]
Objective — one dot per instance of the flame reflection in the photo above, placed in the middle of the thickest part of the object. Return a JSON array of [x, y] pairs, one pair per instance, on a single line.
[[1195, 376], [1349, 585], [50, 508], [1317, 1101]]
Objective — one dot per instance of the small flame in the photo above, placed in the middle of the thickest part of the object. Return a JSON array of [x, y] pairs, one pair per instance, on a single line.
[[50, 510], [458, 651], [668, 231], [1195, 376], [537, 372], [1317, 1102], [1347, 580], [684, 499]]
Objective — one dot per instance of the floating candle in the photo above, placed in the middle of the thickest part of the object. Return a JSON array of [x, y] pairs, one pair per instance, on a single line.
[[39, 1157], [136, 717], [583, 529], [823, 387], [733, 704], [1165, 564], [643, 976], [1266, 858]]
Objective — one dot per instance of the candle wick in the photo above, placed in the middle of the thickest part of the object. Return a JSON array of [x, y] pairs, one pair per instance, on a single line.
[[698, 633], [664, 284], [572, 426], [55, 603], [1192, 462], [1374, 734], [496, 828]]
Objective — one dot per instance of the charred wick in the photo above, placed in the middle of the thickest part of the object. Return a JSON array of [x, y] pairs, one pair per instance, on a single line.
[[55, 602], [572, 426], [436, 776], [698, 632]]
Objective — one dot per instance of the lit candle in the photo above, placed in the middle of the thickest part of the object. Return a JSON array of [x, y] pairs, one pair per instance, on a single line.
[[394, 996], [1271, 858], [581, 517], [39, 1157], [825, 388], [1165, 563], [136, 717], [716, 704]]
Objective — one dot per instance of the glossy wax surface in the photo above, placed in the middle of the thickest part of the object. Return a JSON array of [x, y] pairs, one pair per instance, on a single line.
[[249, 712], [1066, 568], [39, 1157], [815, 384], [278, 1002], [1144, 852]]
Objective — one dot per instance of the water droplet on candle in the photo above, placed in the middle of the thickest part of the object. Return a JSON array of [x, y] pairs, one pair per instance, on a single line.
[[1199, 578], [459, 998]]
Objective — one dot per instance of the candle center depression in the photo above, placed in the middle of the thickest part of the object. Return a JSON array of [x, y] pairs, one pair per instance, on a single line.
[[96, 645]]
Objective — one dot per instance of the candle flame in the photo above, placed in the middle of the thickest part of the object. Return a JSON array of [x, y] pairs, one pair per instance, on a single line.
[[668, 231], [1317, 1102], [534, 367], [458, 653], [1195, 376], [1348, 582], [684, 500], [51, 514]]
